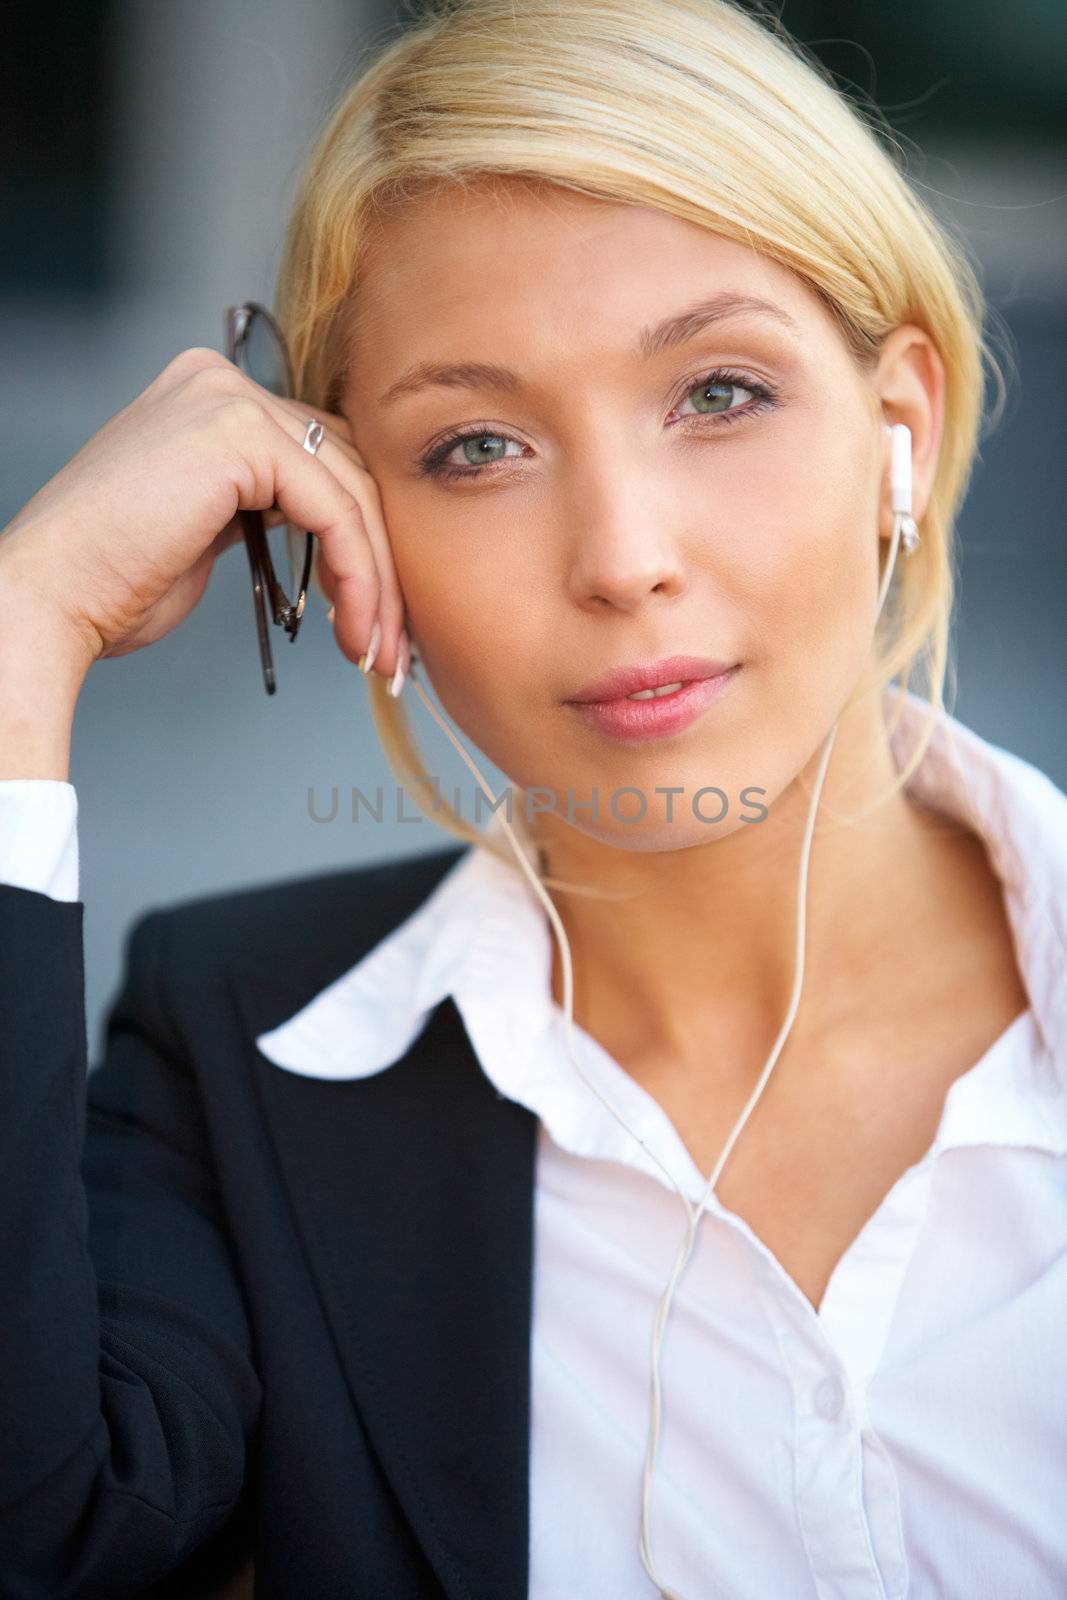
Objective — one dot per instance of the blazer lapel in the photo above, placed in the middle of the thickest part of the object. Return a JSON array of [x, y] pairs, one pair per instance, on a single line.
[[413, 1192]]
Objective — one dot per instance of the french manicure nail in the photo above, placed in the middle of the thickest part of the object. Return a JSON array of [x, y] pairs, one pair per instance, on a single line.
[[396, 682], [367, 661]]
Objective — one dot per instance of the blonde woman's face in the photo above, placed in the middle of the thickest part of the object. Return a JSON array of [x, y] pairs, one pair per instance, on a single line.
[[714, 490]]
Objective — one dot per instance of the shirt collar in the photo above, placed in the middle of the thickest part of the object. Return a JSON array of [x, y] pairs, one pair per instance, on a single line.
[[482, 937]]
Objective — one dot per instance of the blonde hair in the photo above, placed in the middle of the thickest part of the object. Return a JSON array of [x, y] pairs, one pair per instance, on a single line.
[[697, 108]]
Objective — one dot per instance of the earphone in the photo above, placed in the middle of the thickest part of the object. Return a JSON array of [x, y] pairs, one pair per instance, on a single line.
[[904, 527], [900, 488]]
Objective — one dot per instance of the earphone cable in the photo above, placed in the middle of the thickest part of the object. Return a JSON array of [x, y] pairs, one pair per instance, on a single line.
[[902, 523]]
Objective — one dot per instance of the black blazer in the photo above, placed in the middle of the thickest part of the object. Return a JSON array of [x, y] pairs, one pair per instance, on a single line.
[[248, 1311]]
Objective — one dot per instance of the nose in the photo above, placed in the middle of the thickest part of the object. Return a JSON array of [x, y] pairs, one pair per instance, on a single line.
[[625, 550]]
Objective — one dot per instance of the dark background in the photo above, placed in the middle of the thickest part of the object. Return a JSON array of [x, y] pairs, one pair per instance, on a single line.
[[147, 157]]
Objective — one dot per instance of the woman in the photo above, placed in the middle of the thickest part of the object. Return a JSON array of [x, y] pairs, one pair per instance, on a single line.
[[364, 1259]]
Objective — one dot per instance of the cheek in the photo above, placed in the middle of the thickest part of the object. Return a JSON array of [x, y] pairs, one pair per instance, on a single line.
[[804, 564], [472, 610], [820, 591], [811, 605], [478, 599], [481, 635]]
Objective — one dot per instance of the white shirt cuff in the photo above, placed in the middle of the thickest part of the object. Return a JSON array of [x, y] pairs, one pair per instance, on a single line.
[[39, 836]]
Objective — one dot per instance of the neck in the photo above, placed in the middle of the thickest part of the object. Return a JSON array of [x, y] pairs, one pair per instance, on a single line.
[[696, 962]]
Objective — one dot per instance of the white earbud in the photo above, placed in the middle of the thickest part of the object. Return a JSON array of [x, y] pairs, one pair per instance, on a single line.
[[900, 483]]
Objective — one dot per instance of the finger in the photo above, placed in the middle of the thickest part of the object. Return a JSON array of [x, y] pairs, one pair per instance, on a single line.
[[338, 455], [337, 426], [231, 534], [199, 358], [314, 498], [358, 481]]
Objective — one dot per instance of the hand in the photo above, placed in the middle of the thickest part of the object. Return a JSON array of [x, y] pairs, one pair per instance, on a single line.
[[121, 542]]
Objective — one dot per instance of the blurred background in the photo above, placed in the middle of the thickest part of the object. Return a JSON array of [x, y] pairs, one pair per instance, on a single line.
[[148, 156]]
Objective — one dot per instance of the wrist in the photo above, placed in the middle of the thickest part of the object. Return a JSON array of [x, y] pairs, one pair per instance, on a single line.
[[33, 621], [44, 661]]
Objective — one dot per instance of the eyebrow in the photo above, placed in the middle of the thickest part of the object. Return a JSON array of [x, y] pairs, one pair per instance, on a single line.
[[673, 330]]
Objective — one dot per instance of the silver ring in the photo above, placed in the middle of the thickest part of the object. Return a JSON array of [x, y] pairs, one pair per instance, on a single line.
[[313, 435]]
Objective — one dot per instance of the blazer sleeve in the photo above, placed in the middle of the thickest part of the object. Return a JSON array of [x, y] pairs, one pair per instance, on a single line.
[[128, 1391]]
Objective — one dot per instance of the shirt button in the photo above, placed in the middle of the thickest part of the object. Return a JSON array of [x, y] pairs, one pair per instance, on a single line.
[[828, 1398]]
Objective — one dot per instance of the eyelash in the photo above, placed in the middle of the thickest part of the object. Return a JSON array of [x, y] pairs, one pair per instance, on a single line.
[[432, 463]]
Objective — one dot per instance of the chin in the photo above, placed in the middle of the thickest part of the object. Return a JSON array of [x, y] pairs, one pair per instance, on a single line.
[[653, 834]]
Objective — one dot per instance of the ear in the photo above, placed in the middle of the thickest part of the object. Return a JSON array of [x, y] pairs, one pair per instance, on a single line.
[[910, 386]]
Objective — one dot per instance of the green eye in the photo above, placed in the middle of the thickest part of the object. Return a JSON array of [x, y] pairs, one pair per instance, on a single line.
[[477, 454], [715, 393]]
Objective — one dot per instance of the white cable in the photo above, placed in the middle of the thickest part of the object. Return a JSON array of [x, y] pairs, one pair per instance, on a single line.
[[901, 500]]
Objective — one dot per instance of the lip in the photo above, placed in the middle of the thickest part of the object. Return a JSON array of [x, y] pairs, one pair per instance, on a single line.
[[620, 682], [636, 720]]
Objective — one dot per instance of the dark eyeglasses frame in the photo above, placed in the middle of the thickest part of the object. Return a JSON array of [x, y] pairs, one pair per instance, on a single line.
[[285, 612]]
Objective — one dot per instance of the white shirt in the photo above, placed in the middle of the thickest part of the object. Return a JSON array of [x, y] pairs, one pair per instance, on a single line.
[[910, 1438]]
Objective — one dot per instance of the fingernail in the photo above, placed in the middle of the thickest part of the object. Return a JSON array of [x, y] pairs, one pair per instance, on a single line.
[[396, 682], [330, 616], [366, 661]]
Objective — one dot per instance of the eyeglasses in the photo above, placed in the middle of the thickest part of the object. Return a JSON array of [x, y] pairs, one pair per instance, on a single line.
[[254, 343]]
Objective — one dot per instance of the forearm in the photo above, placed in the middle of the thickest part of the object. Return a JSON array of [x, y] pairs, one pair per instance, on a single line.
[[127, 1391]]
